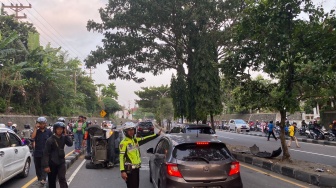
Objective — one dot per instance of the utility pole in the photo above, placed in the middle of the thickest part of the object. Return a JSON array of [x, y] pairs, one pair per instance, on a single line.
[[17, 8]]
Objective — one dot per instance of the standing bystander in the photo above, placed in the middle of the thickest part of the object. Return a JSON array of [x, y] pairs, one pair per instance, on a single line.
[[271, 131], [40, 136], [79, 130]]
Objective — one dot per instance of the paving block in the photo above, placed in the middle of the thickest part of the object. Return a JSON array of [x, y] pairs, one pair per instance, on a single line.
[[314, 179], [327, 181], [302, 176], [276, 168], [67, 164], [72, 159], [287, 171], [248, 159], [257, 162], [267, 165]]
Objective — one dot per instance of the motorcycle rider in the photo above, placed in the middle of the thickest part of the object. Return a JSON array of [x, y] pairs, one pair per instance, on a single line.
[[333, 127], [54, 156], [130, 160], [316, 128], [40, 136]]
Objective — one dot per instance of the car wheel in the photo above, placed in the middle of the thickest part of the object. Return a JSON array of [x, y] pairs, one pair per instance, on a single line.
[[236, 130], [25, 170], [150, 174]]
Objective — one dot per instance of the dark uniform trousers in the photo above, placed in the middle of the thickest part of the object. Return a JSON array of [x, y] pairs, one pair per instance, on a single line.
[[133, 179], [57, 171]]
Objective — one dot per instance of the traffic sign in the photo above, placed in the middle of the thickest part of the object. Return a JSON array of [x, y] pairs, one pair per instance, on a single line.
[[102, 113]]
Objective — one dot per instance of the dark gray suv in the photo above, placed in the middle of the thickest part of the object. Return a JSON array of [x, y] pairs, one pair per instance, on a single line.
[[187, 160]]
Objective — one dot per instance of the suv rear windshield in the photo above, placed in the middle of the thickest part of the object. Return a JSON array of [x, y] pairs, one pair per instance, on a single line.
[[146, 124], [193, 152], [201, 130]]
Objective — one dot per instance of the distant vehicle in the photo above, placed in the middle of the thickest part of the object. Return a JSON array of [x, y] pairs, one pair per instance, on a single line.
[[238, 125], [145, 128], [183, 160], [15, 158]]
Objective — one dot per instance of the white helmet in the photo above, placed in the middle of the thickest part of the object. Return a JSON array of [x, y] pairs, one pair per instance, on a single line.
[[128, 125], [14, 125]]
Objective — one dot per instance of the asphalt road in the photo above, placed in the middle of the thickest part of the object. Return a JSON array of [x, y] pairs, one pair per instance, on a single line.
[[78, 176], [20, 182], [308, 152]]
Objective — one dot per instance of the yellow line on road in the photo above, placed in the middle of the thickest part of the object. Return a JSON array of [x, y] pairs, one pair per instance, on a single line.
[[274, 176], [34, 179]]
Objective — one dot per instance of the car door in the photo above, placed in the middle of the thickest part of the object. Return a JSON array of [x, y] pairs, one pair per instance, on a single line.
[[155, 164], [19, 152], [6, 157], [232, 125]]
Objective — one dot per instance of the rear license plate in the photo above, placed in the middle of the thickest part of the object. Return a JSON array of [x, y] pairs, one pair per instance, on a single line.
[[145, 130]]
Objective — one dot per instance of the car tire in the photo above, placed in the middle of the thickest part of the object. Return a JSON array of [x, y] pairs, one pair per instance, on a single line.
[[25, 171], [236, 130]]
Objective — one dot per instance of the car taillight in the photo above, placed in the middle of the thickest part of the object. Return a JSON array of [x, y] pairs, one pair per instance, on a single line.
[[173, 170], [235, 169], [139, 129], [152, 128], [202, 143]]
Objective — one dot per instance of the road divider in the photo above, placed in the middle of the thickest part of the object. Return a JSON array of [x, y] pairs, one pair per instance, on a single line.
[[318, 179]]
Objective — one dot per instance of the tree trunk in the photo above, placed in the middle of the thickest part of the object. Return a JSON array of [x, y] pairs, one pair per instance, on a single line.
[[286, 155], [212, 121]]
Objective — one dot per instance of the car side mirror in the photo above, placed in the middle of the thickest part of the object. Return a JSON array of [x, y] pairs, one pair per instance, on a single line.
[[150, 150]]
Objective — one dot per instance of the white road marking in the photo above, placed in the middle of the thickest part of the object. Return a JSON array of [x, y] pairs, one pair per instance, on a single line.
[[75, 172], [225, 137], [314, 153]]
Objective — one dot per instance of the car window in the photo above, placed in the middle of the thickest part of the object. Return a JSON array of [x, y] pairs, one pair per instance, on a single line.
[[3, 140], [204, 130], [146, 124], [211, 152], [159, 147], [239, 121], [176, 130], [14, 140]]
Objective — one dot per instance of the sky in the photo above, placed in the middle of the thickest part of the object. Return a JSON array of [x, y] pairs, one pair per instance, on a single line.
[[63, 23]]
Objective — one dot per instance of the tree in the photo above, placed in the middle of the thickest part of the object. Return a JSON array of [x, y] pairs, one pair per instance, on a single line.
[[271, 37], [178, 90], [110, 106], [165, 111], [110, 91]]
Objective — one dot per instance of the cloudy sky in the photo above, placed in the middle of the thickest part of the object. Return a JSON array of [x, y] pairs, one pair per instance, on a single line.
[[63, 23]]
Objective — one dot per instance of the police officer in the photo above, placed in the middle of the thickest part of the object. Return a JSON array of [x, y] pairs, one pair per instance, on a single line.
[[130, 158]]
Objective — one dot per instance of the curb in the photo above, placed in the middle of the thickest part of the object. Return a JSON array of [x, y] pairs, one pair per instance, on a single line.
[[69, 160], [324, 180], [320, 142]]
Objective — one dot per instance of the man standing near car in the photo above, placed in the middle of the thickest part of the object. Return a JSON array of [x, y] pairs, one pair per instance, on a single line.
[[130, 160], [40, 136]]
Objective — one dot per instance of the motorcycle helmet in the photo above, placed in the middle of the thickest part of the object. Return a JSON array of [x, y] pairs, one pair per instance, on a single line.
[[58, 124], [127, 126], [14, 125], [41, 120], [61, 119], [26, 126]]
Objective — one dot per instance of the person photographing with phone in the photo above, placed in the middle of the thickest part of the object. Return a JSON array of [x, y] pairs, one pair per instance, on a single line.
[[40, 135], [53, 160], [130, 158]]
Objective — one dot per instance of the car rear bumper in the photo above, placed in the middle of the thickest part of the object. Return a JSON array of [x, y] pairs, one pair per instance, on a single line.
[[231, 182], [140, 134]]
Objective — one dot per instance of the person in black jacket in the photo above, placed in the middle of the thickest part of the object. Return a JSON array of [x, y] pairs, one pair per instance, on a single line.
[[53, 160]]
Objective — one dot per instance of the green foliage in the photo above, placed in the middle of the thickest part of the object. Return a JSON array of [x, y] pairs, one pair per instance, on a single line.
[[40, 80], [3, 106], [110, 91], [110, 106], [150, 97]]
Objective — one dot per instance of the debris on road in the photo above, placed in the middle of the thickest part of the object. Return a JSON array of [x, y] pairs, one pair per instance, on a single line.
[[255, 151]]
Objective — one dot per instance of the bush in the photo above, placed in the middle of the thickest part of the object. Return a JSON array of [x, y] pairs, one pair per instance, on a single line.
[[3, 105]]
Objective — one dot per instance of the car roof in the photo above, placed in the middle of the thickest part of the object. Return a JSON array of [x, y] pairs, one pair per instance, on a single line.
[[178, 139], [2, 130]]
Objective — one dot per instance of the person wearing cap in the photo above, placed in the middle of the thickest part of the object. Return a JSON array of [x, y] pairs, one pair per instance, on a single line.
[[79, 131], [40, 135], [292, 135], [129, 156]]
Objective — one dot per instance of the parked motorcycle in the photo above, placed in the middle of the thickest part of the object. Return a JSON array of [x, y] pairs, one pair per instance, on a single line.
[[311, 134], [331, 136], [302, 131]]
